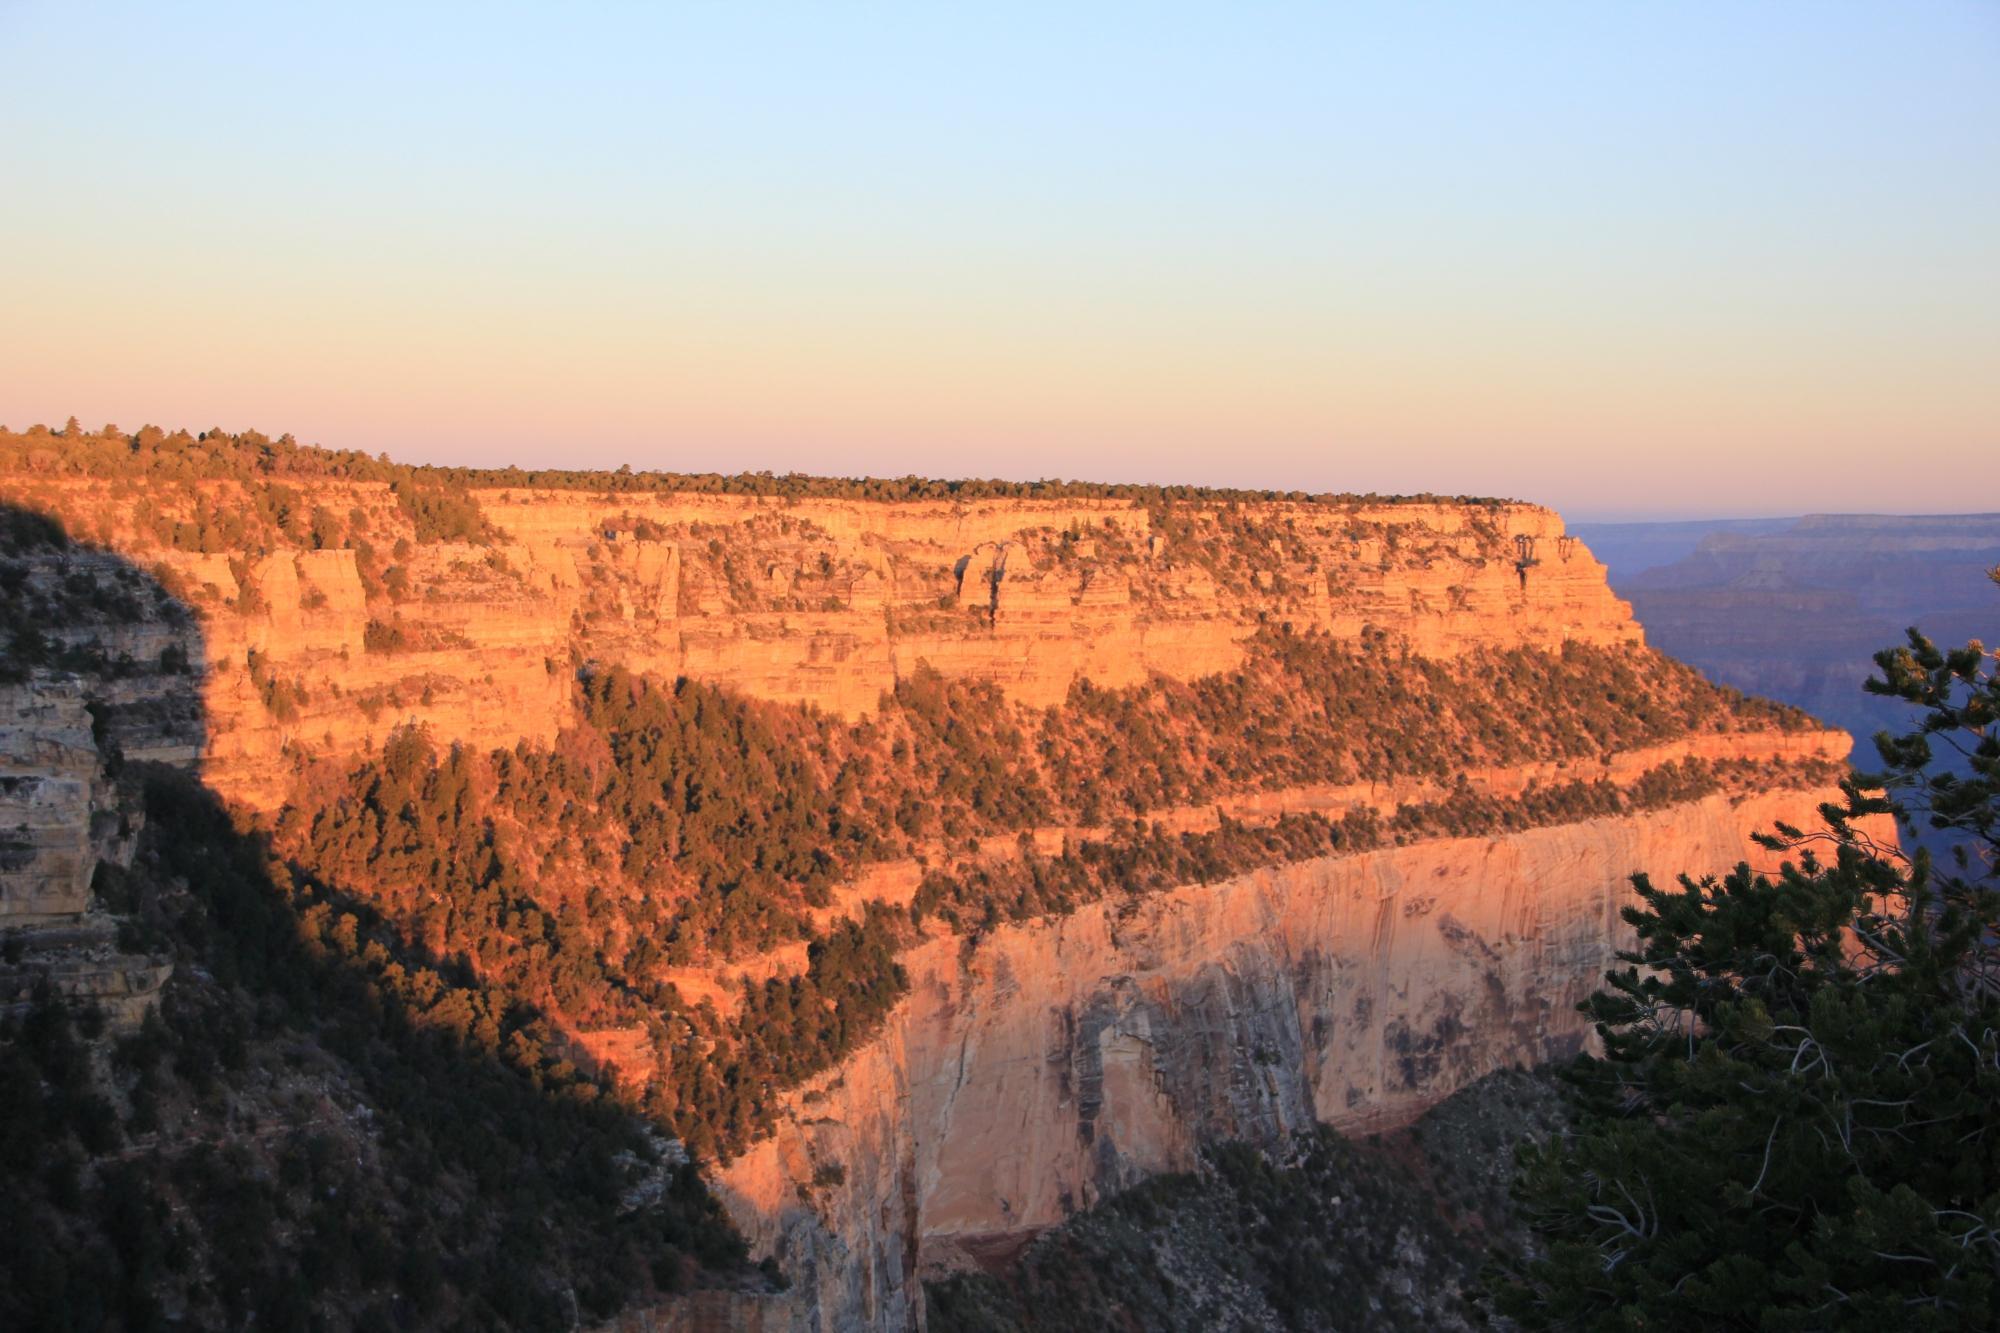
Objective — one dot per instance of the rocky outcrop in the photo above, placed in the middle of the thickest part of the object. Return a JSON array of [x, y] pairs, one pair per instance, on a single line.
[[1044, 1066], [828, 602], [59, 817], [51, 789]]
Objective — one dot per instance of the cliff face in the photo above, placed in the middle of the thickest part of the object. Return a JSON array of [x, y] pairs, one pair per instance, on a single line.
[[49, 796], [822, 601], [59, 818], [1038, 1067], [1045, 1066]]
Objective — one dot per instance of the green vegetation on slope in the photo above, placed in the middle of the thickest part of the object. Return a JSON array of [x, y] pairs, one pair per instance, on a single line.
[[1140, 858], [215, 455], [439, 944], [1307, 708], [292, 1141], [414, 850], [681, 825], [720, 821], [1796, 1120], [284, 1147]]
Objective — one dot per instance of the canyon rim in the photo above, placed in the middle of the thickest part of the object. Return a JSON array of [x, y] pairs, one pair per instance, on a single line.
[[1033, 1062]]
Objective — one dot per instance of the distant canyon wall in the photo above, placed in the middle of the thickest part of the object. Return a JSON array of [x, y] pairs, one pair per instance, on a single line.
[[1796, 609]]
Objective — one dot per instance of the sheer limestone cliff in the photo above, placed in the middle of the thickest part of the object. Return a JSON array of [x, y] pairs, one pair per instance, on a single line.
[[1036, 1067], [1043, 1067], [821, 601]]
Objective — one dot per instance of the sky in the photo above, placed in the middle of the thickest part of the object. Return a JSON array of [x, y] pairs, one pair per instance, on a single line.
[[1633, 260]]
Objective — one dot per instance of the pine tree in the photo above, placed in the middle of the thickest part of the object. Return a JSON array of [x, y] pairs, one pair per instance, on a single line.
[[1795, 1123]]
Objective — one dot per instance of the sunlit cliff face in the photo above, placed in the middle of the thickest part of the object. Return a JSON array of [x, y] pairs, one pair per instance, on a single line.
[[827, 602], [1040, 1058], [1053, 1065]]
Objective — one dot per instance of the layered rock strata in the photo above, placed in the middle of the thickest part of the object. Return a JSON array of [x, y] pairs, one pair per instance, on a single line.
[[1041, 1066], [1044, 1066], [59, 817], [820, 601]]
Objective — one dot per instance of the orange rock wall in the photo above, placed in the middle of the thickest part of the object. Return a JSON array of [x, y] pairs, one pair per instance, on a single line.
[[1047, 1065], [1055, 1063], [827, 602]]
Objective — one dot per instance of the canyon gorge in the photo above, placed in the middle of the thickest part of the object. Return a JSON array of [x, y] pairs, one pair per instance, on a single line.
[[1376, 901]]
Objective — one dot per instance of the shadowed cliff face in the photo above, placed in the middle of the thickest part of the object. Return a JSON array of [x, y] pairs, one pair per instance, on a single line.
[[211, 1111], [99, 667], [1338, 1233]]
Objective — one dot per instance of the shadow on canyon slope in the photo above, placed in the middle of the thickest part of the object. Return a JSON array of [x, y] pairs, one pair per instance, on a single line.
[[314, 1123], [76, 612]]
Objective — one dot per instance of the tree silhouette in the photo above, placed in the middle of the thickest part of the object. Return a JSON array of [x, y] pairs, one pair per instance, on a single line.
[[1796, 1119]]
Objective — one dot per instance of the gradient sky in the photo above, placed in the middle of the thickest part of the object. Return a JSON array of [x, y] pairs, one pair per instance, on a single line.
[[1628, 259]]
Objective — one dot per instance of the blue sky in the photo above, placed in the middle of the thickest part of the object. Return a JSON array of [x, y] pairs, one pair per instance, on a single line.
[[1624, 259]]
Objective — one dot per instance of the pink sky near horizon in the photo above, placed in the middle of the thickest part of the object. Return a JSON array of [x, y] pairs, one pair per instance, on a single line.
[[1704, 262]]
